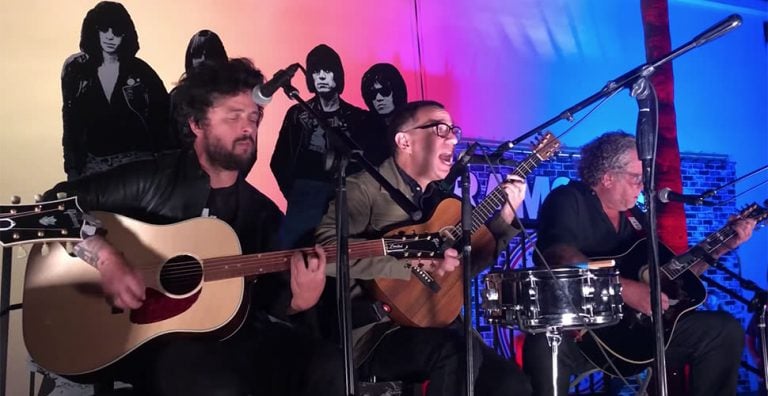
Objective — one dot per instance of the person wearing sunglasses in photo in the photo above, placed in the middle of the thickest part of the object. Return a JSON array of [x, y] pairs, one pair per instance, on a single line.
[[115, 106], [384, 91]]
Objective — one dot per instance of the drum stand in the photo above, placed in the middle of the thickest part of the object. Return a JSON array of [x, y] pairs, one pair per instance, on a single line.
[[554, 338]]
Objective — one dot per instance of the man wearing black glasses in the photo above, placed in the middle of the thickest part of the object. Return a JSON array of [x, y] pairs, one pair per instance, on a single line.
[[424, 137]]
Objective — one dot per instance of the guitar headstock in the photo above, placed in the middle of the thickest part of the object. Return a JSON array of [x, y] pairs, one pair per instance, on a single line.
[[59, 220], [413, 246], [755, 212], [546, 146]]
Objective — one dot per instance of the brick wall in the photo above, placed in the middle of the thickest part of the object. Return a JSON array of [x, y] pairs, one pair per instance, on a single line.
[[700, 172]]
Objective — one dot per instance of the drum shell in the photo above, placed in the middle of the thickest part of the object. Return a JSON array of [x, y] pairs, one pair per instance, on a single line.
[[565, 298]]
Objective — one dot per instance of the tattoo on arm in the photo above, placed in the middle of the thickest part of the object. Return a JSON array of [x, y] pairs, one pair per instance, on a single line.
[[92, 250]]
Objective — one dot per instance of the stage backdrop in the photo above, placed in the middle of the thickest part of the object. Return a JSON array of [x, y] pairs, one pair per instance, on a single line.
[[501, 68]]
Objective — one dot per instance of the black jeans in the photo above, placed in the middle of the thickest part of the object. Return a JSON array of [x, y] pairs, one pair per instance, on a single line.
[[262, 358], [711, 342], [420, 354]]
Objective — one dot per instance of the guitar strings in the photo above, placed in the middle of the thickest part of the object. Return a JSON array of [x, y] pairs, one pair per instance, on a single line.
[[25, 214], [268, 260], [266, 257], [222, 268], [719, 237]]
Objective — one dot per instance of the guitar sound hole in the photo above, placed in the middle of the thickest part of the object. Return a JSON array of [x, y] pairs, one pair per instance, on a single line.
[[181, 274]]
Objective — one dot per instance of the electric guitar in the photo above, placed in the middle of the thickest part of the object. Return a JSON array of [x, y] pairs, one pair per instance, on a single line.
[[193, 270], [430, 300], [630, 344]]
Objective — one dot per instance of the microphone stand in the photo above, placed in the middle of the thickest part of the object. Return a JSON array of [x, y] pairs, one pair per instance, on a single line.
[[345, 149], [758, 304], [646, 148], [710, 193], [5, 308], [466, 251], [629, 78], [647, 136]]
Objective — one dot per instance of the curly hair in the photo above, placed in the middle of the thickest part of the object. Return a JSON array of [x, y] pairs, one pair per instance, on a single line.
[[208, 81], [102, 17], [608, 152]]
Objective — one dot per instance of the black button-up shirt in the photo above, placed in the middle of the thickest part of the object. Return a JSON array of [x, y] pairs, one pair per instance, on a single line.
[[573, 215]]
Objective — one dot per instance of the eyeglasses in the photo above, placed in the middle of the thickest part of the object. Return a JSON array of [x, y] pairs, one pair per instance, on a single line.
[[442, 129], [634, 178]]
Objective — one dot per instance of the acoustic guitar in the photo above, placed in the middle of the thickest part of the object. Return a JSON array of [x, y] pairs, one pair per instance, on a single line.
[[193, 270], [429, 300]]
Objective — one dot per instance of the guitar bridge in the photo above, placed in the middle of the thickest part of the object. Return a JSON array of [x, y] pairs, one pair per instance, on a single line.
[[425, 278]]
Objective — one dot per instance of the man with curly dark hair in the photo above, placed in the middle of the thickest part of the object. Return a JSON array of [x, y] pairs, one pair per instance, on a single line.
[[263, 354]]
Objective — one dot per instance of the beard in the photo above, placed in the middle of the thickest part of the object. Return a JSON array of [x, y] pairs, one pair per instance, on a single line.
[[227, 158]]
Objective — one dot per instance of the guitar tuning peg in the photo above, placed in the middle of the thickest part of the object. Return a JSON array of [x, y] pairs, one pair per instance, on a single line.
[[15, 199], [61, 195], [22, 252], [38, 198]]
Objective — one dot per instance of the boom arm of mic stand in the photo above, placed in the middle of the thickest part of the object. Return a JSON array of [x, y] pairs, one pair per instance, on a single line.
[[709, 193], [628, 78]]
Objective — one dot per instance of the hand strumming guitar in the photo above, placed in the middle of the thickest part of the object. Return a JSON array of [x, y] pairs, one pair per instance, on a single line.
[[123, 285], [637, 295]]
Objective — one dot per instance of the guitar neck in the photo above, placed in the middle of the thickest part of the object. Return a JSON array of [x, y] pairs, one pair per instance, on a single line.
[[498, 197], [696, 254], [264, 263]]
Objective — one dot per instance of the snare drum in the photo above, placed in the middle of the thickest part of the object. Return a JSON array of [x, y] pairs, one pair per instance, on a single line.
[[566, 298]]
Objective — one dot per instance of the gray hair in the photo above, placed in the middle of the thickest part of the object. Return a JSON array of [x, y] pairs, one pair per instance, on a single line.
[[608, 152]]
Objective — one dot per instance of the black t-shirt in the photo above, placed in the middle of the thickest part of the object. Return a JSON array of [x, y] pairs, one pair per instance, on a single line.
[[223, 203], [573, 215]]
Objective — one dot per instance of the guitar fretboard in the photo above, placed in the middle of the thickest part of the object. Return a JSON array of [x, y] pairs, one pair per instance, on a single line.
[[497, 198], [681, 263], [229, 267]]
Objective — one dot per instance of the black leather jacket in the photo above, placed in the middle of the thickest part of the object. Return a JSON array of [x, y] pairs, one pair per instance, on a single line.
[[173, 188], [168, 189]]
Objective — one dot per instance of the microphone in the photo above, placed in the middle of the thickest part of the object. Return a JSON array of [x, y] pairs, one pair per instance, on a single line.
[[449, 182], [497, 154], [647, 117], [666, 195], [262, 94], [726, 25]]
